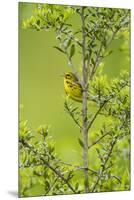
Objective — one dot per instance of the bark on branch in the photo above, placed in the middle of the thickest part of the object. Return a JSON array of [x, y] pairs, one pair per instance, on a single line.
[[84, 102]]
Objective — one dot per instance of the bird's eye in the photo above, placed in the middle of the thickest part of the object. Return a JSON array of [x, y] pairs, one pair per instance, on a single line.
[[68, 76]]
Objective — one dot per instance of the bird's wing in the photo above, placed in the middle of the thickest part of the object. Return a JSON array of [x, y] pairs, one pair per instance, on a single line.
[[77, 88]]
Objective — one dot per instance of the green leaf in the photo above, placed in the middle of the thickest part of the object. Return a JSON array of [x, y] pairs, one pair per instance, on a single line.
[[81, 142], [76, 186], [59, 49], [74, 109], [38, 22], [109, 53], [92, 61], [72, 50], [67, 43]]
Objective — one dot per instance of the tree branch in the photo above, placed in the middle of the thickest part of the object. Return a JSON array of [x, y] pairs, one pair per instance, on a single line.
[[96, 114], [50, 188], [97, 141], [70, 62], [84, 102], [73, 68], [98, 57], [72, 115], [104, 164], [78, 167]]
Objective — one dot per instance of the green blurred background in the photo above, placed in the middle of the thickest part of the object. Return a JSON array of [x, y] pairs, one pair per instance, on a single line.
[[41, 88]]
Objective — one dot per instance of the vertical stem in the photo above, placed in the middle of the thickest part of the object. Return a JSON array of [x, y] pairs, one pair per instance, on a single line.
[[84, 103]]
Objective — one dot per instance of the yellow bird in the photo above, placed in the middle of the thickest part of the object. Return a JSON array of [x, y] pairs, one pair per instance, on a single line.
[[72, 87]]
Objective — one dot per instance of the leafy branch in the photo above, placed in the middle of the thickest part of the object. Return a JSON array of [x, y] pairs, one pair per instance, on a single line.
[[103, 166], [84, 102], [72, 112], [40, 158], [91, 41], [98, 140]]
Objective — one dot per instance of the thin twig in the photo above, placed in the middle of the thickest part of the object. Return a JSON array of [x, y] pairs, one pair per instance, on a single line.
[[50, 188], [96, 62], [71, 37], [117, 178], [97, 141], [72, 115], [73, 68], [95, 115], [70, 62], [77, 167], [104, 164]]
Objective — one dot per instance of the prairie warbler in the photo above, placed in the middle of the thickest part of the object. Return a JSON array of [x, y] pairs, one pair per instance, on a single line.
[[72, 87]]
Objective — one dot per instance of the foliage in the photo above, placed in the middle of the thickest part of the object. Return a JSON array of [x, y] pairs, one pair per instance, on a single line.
[[39, 164], [102, 25], [91, 40], [46, 169], [112, 102]]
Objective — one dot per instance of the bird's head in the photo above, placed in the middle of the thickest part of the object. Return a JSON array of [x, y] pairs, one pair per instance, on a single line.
[[70, 76]]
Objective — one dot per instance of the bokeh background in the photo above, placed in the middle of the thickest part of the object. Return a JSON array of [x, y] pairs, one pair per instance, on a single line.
[[41, 91]]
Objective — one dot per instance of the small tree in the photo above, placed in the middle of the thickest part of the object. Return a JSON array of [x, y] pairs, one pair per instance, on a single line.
[[92, 39]]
